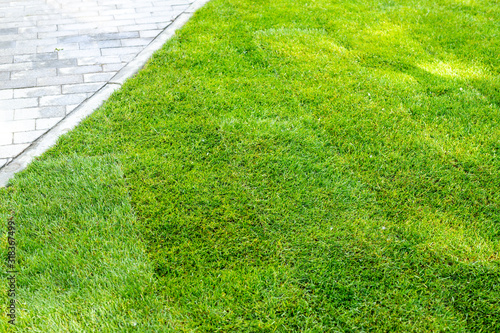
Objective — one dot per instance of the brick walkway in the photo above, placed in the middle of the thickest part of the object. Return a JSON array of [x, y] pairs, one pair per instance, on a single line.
[[55, 54]]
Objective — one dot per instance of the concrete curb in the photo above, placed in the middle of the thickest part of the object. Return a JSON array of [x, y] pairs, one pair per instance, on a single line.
[[88, 106]]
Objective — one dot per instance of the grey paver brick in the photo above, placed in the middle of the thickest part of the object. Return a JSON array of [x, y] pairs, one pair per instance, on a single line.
[[100, 44], [74, 39], [37, 91], [55, 54], [20, 125], [6, 138], [77, 26], [45, 72], [8, 104], [57, 47], [117, 35], [7, 44], [46, 123], [98, 60], [18, 50], [6, 94], [58, 33], [121, 50], [127, 57], [39, 112], [62, 99], [6, 115], [18, 83], [136, 41], [80, 70], [27, 137], [55, 63], [138, 27], [81, 88], [78, 53], [149, 33], [32, 31], [98, 77], [66, 79], [153, 19], [32, 42], [10, 31], [21, 66], [12, 150], [6, 59], [35, 57], [112, 67]]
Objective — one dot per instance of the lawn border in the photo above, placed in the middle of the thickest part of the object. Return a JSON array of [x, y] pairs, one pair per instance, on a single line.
[[86, 108]]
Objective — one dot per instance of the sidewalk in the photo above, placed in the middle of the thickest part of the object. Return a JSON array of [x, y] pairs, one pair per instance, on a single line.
[[55, 55]]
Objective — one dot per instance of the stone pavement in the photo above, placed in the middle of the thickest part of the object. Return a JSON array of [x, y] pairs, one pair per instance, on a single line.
[[56, 54]]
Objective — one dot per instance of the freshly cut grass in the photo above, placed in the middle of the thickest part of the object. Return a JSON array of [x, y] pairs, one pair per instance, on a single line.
[[311, 166], [81, 262]]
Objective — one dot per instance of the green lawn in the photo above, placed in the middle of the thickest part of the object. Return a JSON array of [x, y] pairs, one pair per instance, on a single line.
[[279, 166]]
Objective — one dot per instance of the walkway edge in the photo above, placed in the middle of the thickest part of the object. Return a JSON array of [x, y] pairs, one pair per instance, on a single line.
[[91, 104]]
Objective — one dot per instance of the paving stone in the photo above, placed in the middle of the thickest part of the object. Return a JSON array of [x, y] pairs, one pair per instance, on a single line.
[[149, 33], [6, 94], [57, 47], [27, 137], [8, 104], [73, 54], [100, 44], [22, 66], [80, 70], [37, 29], [98, 77], [56, 54], [136, 41], [121, 50], [6, 138], [98, 60], [117, 35], [18, 83], [35, 57], [19, 125], [74, 39], [45, 72], [37, 91], [54, 63], [39, 112], [138, 27], [31, 42], [112, 67], [81, 88], [65, 79], [18, 50], [10, 31], [62, 99], [6, 115], [6, 59], [46, 123], [12, 150], [9, 44]]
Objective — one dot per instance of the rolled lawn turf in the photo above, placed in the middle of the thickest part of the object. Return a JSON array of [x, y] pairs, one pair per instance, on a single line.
[[279, 166]]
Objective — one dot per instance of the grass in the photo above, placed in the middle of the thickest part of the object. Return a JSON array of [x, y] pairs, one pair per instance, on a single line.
[[315, 166]]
